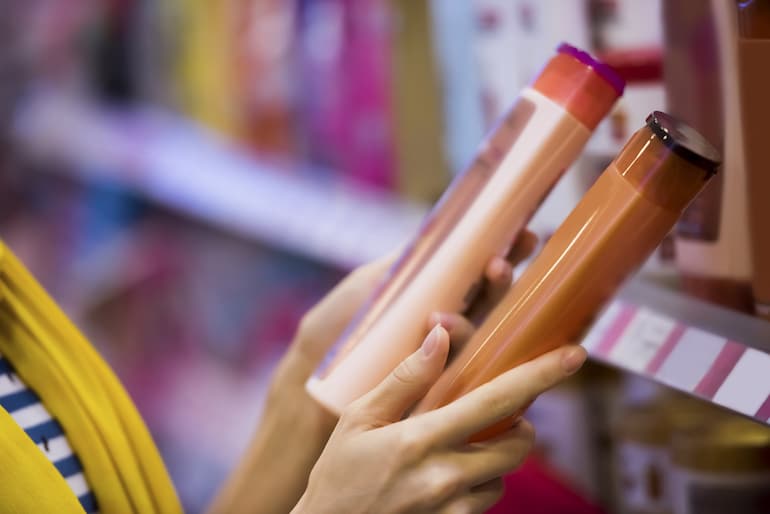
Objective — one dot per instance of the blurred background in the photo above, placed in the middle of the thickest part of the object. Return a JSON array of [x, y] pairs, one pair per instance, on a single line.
[[187, 177]]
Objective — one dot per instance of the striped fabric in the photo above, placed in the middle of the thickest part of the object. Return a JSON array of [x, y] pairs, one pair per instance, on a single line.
[[27, 410]]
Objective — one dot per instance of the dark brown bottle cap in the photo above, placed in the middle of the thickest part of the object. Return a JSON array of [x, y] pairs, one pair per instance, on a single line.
[[754, 19], [684, 141]]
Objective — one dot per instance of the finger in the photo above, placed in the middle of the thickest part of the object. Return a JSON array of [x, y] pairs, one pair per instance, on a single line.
[[485, 461], [356, 287], [525, 244], [499, 271], [499, 275], [478, 500], [502, 397], [459, 327], [323, 324], [405, 385]]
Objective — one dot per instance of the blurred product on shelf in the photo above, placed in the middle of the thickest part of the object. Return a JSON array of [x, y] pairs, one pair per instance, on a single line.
[[479, 217], [321, 40], [611, 232], [640, 458], [642, 436], [495, 42], [534, 27], [155, 43], [564, 435], [454, 25], [514, 38], [207, 80], [345, 54], [422, 169], [627, 35], [623, 25], [234, 66], [263, 63], [712, 243], [753, 59], [50, 41], [537, 488], [107, 58], [720, 467], [573, 430]]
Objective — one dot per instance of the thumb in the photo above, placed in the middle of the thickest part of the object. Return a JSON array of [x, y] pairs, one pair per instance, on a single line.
[[409, 382]]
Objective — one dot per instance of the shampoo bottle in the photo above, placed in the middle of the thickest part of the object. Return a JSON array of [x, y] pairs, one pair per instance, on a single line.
[[611, 232], [478, 217]]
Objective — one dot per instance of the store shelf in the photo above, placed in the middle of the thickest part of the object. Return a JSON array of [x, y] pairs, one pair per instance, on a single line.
[[187, 168], [717, 354]]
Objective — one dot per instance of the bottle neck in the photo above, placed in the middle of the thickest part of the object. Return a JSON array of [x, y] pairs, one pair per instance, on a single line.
[[754, 19], [658, 173]]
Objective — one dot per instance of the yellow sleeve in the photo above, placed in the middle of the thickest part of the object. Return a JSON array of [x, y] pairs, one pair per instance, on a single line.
[[119, 458]]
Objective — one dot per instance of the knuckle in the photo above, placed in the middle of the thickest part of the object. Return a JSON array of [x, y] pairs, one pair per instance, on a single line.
[[443, 483], [412, 443], [351, 414], [498, 403], [347, 420], [405, 373], [464, 506], [307, 324], [526, 431]]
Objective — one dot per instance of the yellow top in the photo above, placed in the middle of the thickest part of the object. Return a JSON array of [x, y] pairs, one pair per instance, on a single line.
[[119, 458]]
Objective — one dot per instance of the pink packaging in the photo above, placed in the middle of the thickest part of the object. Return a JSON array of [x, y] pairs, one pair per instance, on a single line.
[[346, 58]]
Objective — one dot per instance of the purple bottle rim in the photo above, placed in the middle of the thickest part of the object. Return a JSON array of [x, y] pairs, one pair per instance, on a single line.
[[603, 70]]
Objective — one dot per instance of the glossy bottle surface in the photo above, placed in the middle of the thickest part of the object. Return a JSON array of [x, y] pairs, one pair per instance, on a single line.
[[478, 217], [610, 233], [754, 78]]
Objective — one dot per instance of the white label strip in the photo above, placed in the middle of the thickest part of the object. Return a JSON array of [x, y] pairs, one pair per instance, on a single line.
[[601, 326], [686, 358], [690, 359], [748, 384], [642, 340]]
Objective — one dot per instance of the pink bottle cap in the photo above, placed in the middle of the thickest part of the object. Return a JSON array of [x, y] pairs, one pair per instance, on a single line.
[[586, 87]]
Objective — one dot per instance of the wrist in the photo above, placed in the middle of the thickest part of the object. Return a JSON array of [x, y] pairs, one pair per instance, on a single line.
[[288, 402]]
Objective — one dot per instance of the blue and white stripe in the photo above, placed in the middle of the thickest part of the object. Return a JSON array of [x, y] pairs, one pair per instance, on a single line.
[[27, 410]]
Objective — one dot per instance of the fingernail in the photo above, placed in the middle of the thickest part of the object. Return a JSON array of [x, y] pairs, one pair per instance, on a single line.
[[431, 342], [573, 359], [435, 319]]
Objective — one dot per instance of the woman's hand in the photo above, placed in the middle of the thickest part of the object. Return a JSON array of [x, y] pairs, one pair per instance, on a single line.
[[375, 462], [294, 428], [324, 323]]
